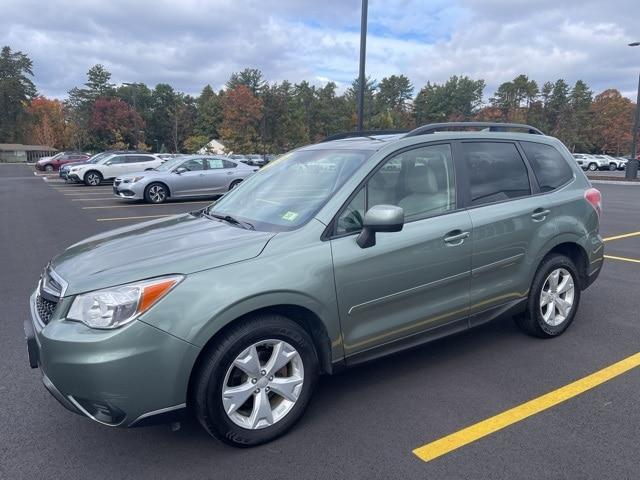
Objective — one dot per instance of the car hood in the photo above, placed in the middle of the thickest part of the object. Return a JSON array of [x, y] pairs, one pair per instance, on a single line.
[[182, 244]]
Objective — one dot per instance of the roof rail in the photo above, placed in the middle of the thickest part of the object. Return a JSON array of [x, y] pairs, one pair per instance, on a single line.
[[361, 133], [490, 126]]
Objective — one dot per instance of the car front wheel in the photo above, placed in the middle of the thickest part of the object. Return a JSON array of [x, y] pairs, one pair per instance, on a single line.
[[92, 178], [255, 381], [593, 167], [613, 167], [48, 168], [156, 193], [553, 299]]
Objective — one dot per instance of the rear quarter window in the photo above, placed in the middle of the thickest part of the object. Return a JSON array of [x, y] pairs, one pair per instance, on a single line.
[[549, 166]]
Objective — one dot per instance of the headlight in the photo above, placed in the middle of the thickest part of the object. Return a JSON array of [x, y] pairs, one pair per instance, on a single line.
[[136, 179], [117, 306]]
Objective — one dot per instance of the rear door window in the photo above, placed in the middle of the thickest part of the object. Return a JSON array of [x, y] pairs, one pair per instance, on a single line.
[[549, 166], [496, 172]]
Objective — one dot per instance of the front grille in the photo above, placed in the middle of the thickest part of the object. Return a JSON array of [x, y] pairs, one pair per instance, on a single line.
[[45, 308], [116, 182]]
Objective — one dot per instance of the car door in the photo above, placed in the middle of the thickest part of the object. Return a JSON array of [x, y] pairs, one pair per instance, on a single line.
[[136, 163], [115, 167], [510, 225], [413, 281], [189, 178], [219, 175]]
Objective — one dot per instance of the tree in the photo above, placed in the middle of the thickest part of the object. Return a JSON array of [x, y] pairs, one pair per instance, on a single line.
[[393, 102], [249, 77], [16, 91], [578, 118], [284, 124], [114, 122], [351, 96], [515, 98], [612, 115], [47, 122], [459, 98], [208, 113], [241, 115], [195, 142]]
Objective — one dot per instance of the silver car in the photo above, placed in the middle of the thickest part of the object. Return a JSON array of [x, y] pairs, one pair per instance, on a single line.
[[192, 176]]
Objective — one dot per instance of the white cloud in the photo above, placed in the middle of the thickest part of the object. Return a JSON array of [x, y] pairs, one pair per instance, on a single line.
[[194, 42]]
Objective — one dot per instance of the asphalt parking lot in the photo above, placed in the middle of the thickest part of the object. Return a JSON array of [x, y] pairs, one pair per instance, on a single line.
[[363, 423]]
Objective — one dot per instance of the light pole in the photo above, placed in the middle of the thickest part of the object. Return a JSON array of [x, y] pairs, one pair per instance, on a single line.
[[632, 164], [363, 55]]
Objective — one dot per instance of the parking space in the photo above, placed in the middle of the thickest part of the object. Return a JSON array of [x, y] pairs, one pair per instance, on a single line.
[[100, 204], [456, 408]]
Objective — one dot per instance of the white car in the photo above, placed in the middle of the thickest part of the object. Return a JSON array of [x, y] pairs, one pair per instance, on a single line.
[[113, 166]]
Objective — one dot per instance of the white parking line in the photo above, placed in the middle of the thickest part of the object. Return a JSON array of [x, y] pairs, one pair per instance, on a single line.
[[132, 218], [90, 199], [144, 205]]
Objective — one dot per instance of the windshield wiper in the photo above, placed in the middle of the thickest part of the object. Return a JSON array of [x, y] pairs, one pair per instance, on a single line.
[[229, 219]]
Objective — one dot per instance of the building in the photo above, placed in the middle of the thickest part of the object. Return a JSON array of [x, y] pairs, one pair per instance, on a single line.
[[16, 152], [213, 147]]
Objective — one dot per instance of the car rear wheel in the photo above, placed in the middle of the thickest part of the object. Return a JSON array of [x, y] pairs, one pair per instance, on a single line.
[[92, 178], [255, 381], [553, 298], [48, 168], [156, 193], [593, 167], [613, 166]]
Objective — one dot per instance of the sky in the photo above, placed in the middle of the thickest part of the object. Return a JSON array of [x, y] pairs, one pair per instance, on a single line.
[[191, 43]]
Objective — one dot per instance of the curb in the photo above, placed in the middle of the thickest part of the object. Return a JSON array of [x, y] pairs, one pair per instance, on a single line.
[[615, 182]]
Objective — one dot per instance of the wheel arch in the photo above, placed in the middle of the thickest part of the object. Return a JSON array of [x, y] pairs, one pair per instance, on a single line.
[[576, 253], [301, 315]]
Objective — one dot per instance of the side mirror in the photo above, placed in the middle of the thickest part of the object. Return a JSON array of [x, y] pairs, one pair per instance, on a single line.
[[380, 218], [107, 163], [180, 170]]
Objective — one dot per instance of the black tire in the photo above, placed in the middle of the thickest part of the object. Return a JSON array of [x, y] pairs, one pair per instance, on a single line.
[[156, 193], [48, 168], [92, 178], [531, 321], [234, 184], [613, 167], [210, 377], [593, 167]]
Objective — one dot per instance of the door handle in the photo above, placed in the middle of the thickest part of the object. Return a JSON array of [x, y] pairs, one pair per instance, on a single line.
[[229, 173], [455, 237], [539, 214]]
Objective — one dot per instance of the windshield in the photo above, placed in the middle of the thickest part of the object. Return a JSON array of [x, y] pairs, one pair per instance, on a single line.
[[169, 164], [289, 191], [98, 156]]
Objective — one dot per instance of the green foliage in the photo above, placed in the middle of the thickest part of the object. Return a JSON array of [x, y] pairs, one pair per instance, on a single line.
[[253, 116], [459, 98], [16, 91]]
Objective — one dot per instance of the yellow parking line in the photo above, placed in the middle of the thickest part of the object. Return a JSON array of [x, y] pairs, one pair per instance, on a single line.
[[142, 205], [491, 425], [623, 259], [625, 235], [131, 218]]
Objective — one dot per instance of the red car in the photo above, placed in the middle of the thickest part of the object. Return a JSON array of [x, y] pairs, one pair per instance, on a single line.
[[49, 164]]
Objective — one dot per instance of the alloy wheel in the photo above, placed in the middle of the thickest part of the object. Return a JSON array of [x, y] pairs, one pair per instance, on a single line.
[[556, 297], [93, 179], [49, 168], [157, 194], [263, 384]]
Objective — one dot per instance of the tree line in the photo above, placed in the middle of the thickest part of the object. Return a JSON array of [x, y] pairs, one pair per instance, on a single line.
[[252, 115]]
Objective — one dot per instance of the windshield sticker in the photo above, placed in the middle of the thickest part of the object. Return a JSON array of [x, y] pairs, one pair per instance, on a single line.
[[290, 216]]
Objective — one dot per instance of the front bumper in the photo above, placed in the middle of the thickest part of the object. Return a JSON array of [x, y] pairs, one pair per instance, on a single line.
[[124, 377], [130, 191]]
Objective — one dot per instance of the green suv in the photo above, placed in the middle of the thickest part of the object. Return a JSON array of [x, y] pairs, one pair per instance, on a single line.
[[333, 254]]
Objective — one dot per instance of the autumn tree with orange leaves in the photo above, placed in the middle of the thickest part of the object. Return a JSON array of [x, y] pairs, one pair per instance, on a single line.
[[611, 120], [47, 122], [241, 115]]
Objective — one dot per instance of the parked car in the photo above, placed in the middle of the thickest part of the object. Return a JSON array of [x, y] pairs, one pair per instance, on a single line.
[[256, 159], [233, 310], [239, 158], [50, 164], [112, 166], [183, 177], [64, 170]]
